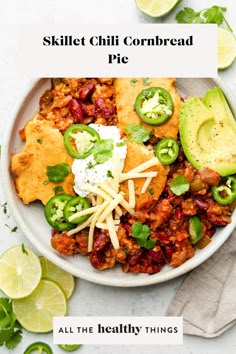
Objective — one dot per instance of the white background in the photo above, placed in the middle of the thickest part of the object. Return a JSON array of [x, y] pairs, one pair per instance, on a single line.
[[90, 299]]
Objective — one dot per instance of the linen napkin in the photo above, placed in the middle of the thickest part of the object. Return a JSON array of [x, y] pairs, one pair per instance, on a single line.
[[207, 297]]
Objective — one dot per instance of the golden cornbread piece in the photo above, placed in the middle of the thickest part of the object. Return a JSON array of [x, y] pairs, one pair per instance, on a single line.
[[126, 92], [136, 155], [44, 147]]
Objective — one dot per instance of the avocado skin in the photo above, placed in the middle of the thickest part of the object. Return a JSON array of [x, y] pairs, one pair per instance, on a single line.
[[208, 132]]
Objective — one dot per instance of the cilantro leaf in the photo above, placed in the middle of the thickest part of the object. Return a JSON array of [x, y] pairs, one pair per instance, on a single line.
[[14, 339], [58, 172], [10, 329], [137, 133], [187, 15], [214, 14], [141, 233], [103, 150], [146, 81], [58, 190], [179, 185], [133, 82]]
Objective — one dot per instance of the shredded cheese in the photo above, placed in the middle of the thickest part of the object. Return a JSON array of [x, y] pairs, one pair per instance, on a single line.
[[83, 212], [146, 184], [93, 223], [112, 232], [80, 227], [144, 166], [111, 207], [131, 193], [113, 194]]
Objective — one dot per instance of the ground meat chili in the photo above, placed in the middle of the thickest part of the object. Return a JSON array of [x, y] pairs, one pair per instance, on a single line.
[[83, 101]]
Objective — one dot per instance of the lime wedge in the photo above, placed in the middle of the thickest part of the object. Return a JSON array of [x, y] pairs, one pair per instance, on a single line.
[[35, 312], [156, 8], [226, 48], [20, 272], [64, 279]]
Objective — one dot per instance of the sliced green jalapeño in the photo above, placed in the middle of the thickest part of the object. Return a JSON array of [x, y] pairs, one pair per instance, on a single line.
[[79, 140], [225, 192], [154, 105], [167, 150], [54, 212]]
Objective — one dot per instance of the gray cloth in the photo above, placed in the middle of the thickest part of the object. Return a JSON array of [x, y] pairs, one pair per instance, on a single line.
[[207, 297]]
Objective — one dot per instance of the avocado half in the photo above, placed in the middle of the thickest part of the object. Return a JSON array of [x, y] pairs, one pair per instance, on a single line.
[[208, 132]]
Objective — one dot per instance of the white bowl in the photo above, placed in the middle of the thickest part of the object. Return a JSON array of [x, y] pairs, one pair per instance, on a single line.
[[31, 220]]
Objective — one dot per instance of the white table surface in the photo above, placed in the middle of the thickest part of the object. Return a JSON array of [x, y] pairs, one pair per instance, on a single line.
[[91, 299]]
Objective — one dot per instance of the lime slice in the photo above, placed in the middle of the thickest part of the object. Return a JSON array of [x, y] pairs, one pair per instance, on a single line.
[[156, 8], [20, 272], [64, 279], [35, 312], [226, 48]]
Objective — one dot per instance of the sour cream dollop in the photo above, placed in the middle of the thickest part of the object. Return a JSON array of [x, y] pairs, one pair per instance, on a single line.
[[98, 173]]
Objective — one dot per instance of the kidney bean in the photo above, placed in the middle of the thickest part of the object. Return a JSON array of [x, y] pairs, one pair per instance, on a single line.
[[156, 256], [168, 251], [201, 204], [88, 109], [136, 258], [127, 228], [100, 242], [179, 216], [76, 111], [86, 91], [96, 259], [104, 108]]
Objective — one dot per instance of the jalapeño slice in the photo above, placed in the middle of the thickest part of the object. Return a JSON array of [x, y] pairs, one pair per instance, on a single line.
[[38, 347], [54, 212], [73, 206], [167, 150], [154, 105], [79, 140], [195, 229], [225, 192]]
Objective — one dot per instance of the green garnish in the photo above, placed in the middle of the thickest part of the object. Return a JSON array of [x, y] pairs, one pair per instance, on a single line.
[[39, 141], [120, 143], [109, 174], [58, 172], [179, 185], [46, 181], [10, 329], [151, 191], [13, 229], [137, 133], [4, 208], [133, 82], [146, 81], [214, 14], [141, 233], [23, 249], [103, 150], [58, 189]]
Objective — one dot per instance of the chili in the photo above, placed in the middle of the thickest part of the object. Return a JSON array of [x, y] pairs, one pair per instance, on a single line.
[[54, 212], [225, 193], [167, 150], [154, 105], [80, 139], [41, 348], [74, 205]]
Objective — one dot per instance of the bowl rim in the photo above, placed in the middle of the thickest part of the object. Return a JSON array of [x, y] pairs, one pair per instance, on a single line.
[[160, 277]]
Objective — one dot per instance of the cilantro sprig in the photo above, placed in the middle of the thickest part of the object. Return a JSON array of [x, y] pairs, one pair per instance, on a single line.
[[179, 185], [10, 329], [141, 233], [137, 133], [214, 14]]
